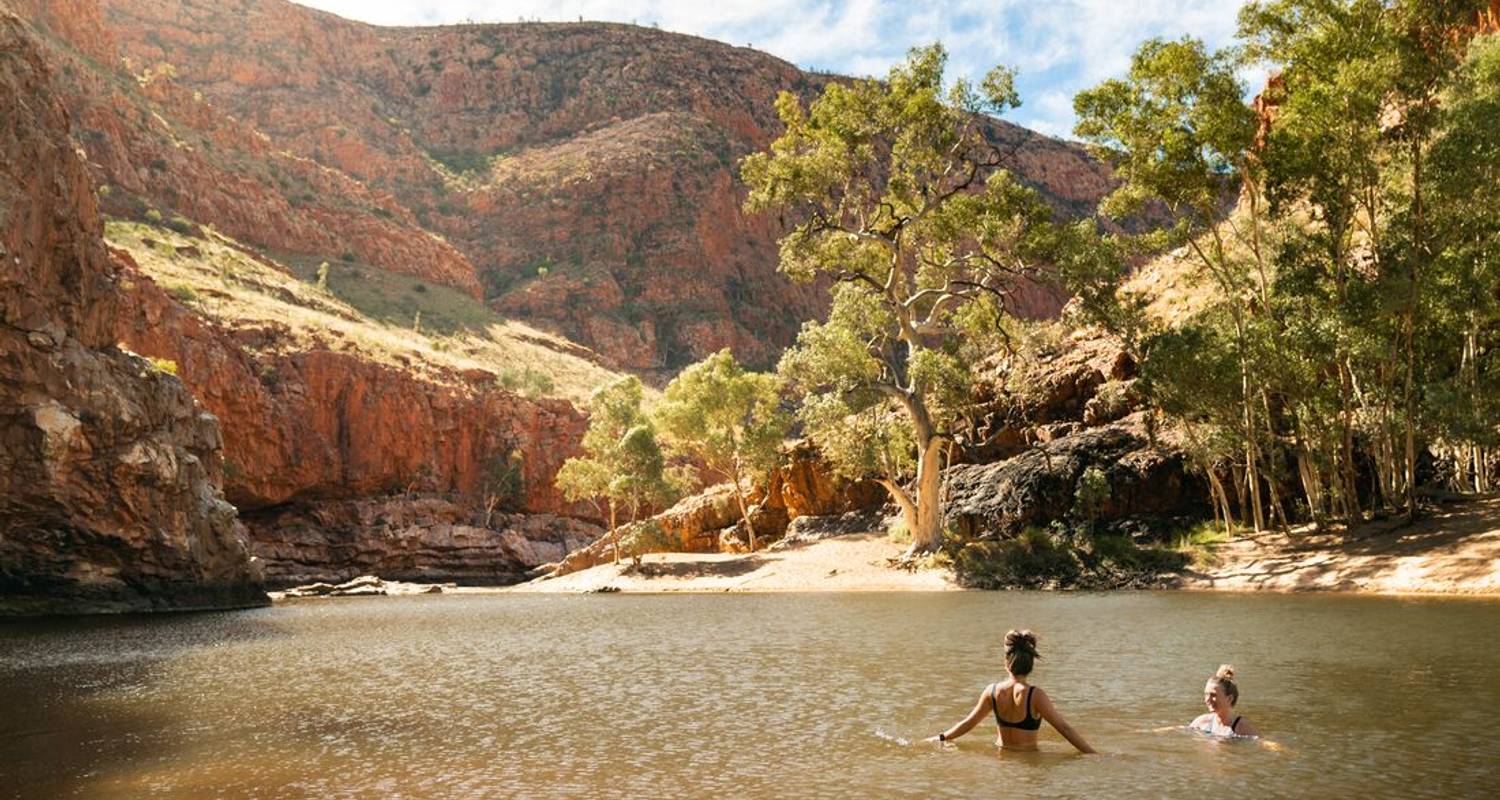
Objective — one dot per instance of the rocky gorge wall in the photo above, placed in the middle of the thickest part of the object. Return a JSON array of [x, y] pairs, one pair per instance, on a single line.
[[588, 172], [109, 471]]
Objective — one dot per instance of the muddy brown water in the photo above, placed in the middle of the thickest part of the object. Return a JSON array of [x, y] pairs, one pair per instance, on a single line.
[[747, 696]]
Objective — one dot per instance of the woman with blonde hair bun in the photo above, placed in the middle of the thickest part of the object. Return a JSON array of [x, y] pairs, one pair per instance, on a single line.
[[1018, 706], [1221, 695]]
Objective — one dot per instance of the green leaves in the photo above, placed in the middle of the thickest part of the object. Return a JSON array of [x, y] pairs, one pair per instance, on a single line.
[[724, 416], [1177, 127], [622, 461]]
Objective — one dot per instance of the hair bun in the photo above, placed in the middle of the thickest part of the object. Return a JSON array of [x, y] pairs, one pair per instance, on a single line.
[[1226, 671], [1021, 640]]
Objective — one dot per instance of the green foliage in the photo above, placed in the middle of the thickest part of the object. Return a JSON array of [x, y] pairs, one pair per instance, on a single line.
[[622, 465], [1355, 301], [1176, 128], [1061, 558], [527, 381], [1032, 560], [648, 536], [903, 202], [1091, 493], [503, 481], [725, 417], [165, 365], [181, 292]]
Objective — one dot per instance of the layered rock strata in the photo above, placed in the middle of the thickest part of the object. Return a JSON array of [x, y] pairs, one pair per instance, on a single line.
[[109, 472], [424, 539]]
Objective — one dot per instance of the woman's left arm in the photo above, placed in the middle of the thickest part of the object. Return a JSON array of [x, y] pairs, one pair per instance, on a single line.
[[968, 722]]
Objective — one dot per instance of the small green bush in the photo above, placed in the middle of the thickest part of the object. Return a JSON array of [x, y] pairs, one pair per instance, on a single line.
[[166, 365], [528, 382], [181, 292]]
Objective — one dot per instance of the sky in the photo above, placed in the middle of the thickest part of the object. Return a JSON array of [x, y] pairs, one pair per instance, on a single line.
[[1059, 47]]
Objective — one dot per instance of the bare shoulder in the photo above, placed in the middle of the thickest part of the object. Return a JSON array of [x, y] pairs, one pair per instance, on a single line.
[[1201, 720]]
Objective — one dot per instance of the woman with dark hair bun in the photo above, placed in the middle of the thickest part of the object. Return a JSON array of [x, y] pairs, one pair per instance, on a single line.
[[1221, 695], [1018, 706]]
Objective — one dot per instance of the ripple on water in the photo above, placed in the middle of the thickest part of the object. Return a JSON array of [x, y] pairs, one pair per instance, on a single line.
[[743, 696]]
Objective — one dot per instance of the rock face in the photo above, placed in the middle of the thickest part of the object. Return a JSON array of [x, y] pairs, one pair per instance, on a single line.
[[1042, 485], [1049, 416], [426, 539], [321, 424], [158, 146], [586, 174], [109, 473]]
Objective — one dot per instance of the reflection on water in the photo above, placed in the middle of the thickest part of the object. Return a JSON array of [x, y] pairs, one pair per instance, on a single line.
[[745, 696]]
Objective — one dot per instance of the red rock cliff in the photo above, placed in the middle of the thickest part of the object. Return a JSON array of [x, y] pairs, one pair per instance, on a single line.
[[108, 470], [588, 171]]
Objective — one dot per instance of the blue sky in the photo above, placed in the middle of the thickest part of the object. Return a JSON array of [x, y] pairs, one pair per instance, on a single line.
[[1058, 47]]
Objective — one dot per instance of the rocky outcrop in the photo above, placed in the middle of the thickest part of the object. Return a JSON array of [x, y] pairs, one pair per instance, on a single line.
[[805, 485], [587, 171], [324, 424], [1047, 483], [109, 472], [1034, 397], [424, 539]]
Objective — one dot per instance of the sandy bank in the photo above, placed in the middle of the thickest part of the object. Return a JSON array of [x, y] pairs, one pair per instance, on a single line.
[[854, 563], [1453, 551]]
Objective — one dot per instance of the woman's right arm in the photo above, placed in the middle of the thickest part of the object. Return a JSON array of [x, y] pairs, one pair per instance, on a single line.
[[1055, 719], [970, 721]]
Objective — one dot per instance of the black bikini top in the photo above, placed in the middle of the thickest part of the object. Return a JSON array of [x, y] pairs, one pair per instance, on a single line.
[[1028, 723]]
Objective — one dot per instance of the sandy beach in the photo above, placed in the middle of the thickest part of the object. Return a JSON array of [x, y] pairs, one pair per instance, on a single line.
[[1455, 550], [852, 563]]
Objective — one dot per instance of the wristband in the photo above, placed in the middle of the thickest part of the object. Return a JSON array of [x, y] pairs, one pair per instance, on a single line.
[[943, 737]]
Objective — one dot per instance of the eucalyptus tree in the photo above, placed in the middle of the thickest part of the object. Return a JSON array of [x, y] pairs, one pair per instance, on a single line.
[[1180, 134], [1359, 108], [728, 419], [1464, 180], [622, 467], [896, 194]]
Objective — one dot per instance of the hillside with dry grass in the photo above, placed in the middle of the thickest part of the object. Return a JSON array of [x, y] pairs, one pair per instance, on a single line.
[[586, 172]]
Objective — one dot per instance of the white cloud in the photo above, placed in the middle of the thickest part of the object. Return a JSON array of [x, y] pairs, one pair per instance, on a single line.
[[1059, 46]]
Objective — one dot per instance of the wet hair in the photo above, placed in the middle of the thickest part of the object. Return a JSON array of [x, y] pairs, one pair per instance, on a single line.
[[1225, 679], [1020, 652]]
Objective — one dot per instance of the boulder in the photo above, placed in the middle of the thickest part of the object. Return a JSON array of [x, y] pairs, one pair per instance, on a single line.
[[1041, 485], [398, 538]]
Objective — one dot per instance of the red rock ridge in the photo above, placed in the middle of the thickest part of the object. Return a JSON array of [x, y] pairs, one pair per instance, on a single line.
[[154, 142], [648, 256], [322, 425]]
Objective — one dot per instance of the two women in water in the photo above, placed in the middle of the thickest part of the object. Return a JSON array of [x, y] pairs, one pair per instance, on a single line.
[[1020, 707]]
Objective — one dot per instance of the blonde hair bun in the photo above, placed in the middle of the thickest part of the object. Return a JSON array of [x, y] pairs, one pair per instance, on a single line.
[[1226, 671]]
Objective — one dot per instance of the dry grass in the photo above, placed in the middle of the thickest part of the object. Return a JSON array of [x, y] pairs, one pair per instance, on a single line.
[[363, 310]]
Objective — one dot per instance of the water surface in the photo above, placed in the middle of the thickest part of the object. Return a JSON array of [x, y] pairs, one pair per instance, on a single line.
[[746, 696]]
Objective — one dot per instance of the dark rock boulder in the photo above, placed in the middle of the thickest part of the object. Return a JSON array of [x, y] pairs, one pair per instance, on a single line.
[[1042, 484]]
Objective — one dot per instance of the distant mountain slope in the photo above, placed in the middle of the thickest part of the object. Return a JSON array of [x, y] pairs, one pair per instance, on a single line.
[[587, 171]]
